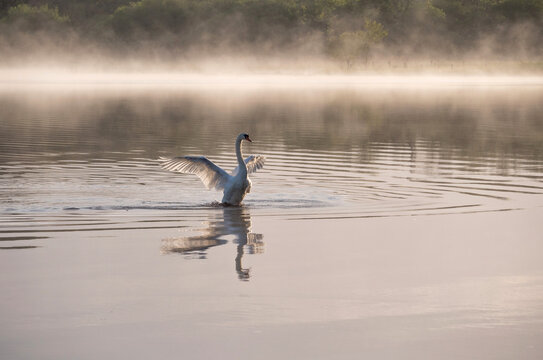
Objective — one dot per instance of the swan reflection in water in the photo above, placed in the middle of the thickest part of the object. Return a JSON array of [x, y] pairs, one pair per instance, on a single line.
[[236, 222]]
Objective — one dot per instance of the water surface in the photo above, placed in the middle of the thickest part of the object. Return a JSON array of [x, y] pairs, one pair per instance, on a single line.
[[388, 221]]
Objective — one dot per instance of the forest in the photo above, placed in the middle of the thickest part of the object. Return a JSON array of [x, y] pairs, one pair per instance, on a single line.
[[351, 32]]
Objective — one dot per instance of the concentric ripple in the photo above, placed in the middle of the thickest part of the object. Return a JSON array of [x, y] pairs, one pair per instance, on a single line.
[[73, 163]]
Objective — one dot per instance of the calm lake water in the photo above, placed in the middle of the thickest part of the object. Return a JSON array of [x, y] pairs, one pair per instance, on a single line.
[[388, 222]]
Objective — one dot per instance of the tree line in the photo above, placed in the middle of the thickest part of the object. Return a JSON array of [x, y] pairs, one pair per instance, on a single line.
[[348, 30]]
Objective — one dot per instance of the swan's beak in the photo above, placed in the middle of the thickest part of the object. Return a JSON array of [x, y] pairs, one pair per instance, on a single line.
[[248, 139]]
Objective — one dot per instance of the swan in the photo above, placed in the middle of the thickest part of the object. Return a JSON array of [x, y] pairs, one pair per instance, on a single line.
[[235, 185]]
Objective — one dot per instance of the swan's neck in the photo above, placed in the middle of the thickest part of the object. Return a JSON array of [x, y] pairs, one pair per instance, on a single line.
[[242, 166]]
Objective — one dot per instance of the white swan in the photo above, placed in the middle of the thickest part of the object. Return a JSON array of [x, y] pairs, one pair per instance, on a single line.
[[235, 185]]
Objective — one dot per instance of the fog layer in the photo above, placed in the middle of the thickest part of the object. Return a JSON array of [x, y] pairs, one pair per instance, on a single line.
[[276, 34]]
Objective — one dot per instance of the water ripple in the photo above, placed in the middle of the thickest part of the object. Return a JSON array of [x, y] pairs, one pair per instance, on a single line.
[[329, 155]]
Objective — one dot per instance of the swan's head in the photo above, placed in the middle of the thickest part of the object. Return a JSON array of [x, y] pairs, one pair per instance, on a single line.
[[244, 136]]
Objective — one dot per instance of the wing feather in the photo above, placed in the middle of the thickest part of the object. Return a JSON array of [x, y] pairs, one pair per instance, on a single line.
[[253, 163], [211, 175]]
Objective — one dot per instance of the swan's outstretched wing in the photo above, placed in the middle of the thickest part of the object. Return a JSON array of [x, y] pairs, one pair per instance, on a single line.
[[253, 162], [211, 175]]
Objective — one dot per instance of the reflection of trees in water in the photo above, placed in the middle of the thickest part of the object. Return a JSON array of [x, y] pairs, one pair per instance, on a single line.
[[470, 123], [235, 222]]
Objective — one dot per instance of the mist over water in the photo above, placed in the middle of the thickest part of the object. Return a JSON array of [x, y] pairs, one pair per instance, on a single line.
[[443, 36]]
